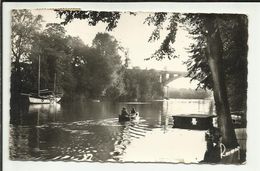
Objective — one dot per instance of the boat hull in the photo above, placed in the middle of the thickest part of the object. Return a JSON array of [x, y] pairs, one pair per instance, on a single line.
[[134, 117], [38, 100], [193, 121]]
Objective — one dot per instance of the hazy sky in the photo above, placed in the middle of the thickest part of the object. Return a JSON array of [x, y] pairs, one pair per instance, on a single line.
[[133, 34]]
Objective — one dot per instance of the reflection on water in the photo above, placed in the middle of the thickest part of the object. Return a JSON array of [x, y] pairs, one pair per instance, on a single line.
[[91, 132], [174, 145]]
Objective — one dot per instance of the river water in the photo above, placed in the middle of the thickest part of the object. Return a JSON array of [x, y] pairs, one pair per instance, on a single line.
[[90, 131]]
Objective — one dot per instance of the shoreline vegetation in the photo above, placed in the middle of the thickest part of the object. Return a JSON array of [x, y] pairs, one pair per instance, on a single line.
[[102, 71], [182, 94]]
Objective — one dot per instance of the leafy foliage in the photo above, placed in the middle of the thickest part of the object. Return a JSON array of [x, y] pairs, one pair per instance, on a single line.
[[93, 17], [78, 71], [24, 28], [166, 49], [142, 84]]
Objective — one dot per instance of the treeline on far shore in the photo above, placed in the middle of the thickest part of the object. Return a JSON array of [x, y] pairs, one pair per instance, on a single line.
[[184, 93], [131, 85]]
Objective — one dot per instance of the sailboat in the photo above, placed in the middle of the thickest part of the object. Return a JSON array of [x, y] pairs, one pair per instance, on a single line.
[[44, 96]]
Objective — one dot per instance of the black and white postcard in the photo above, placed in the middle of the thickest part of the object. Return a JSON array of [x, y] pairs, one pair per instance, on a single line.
[[127, 84]]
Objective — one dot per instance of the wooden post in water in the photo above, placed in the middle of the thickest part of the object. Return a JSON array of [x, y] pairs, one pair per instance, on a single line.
[[39, 76], [167, 89]]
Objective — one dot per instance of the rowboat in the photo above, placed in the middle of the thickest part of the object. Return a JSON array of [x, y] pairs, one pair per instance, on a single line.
[[131, 117]]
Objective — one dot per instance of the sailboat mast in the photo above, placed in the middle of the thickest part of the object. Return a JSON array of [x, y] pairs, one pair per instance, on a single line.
[[39, 76], [54, 84]]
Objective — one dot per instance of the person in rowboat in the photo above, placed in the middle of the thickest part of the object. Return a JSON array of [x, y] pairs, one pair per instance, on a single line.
[[133, 111], [124, 113]]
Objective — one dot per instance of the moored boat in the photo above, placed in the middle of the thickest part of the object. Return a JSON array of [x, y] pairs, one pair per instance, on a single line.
[[44, 100], [44, 96]]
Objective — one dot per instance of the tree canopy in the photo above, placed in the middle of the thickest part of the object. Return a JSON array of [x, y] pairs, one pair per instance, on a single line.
[[24, 27], [76, 70]]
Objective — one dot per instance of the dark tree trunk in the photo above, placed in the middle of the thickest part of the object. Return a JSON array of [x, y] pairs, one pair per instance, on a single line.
[[215, 60], [16, 83], [18, 74]]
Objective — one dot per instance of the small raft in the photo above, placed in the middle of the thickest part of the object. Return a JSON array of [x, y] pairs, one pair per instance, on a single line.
[[193, 121]]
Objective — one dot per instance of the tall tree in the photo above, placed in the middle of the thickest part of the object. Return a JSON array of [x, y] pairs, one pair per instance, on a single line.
[[24, 26], [215, 61], [92, 72], [51, 46], [209, 31], [107, 59]]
